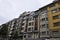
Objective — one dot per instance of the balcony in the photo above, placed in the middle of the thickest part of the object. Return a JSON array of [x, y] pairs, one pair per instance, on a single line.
[[43, 29], [36, 14], [24, 21], [55, 34], [22, 30]]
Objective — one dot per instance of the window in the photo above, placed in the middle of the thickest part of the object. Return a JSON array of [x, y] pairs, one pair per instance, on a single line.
[[24, 36], [59, 15], [54, 11], [59, 3], [57, 24], [22, 28], [43, 26], [36, 28], [23, 20], [32, 28], [44, 13], [55, 32], [30, 24], [55, 17], [44, 33], [30, 36], [47, 32], [47, 25], [29, 29], [43, 19], [59, 9], [47, 19], [22, 23]]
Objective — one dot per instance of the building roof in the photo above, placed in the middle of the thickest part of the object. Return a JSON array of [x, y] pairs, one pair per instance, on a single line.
[[47, 5]]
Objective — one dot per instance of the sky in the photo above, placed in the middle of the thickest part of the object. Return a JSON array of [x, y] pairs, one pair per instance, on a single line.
[[10, 9]]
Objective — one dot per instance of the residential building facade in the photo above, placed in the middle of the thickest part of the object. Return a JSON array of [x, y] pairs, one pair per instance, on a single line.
[[43, 23], [54, 18], [12, 28]]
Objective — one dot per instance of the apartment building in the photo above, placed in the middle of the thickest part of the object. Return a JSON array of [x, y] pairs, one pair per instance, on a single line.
[[43, 23], [36, 26], [12, 27], [20, 28], [30, 26], [49, 18], [27, 26], [24, 24], [54, 18], [47, 22]]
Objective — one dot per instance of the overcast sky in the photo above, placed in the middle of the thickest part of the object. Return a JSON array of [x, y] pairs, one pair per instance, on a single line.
[[10, 9]]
